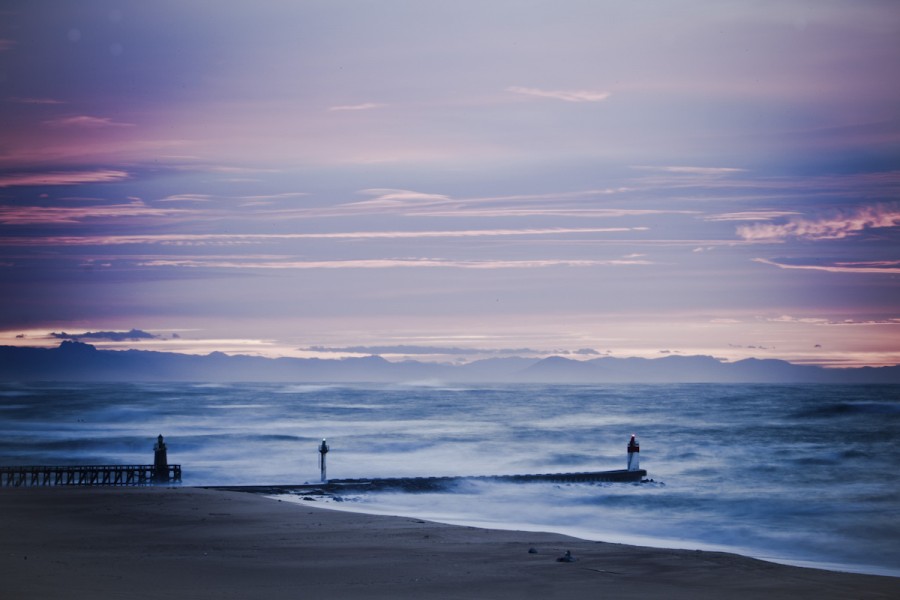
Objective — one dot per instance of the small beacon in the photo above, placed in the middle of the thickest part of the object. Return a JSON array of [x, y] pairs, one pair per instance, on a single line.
[[634, 453], [323, 450]]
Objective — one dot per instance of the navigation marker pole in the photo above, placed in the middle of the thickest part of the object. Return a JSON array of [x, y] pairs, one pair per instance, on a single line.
[[634, 450], [323, 450]]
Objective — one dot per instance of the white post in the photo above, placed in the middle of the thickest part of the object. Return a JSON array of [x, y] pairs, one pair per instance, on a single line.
[[323, 450], [634, 453]]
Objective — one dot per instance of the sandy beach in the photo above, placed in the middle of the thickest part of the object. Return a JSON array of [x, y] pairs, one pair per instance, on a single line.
[[200, 543]]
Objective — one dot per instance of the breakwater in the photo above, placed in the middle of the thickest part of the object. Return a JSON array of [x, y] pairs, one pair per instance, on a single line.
[[432, 484], [416, 484]]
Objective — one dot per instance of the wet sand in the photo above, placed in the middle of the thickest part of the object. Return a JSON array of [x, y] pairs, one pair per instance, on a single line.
[[198, 543]]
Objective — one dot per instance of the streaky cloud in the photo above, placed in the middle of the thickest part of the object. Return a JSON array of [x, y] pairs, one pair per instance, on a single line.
[[187, 198], [388, 263], [871, 267], [552, 195], [281, 196], [417, 204], [86, 121], [832, 322], [61, 177], [564, 95], [237, 239], [31, 215], [38, 215], [460, 233], [409, 349], [39, 101], [551, 212], [792, 319], [752, 215], [233, 169], [392, 198], [255, 198], [691, 170], [355, 107], [839, 226]]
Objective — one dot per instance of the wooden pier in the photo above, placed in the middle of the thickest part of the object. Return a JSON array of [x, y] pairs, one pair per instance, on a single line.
[[160, 472], [88, 475]]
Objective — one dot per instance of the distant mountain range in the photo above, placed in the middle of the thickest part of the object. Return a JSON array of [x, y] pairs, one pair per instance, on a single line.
[[76, 361]]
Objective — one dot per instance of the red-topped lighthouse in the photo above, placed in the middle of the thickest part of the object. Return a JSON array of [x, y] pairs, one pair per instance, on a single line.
[[634, 454]]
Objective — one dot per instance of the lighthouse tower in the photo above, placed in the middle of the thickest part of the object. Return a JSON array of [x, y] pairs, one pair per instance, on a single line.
[[160, 461], [634, 454], [323, 450]]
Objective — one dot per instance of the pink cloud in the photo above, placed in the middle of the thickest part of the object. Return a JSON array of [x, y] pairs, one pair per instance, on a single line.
[[831, 228], [387, 263], [187, 198], [413, 203], [138, 209], [30, 215], [751, 215], [875, 267], [689, 170], [790, 319], [464, 233], [62, 177], [833, 322], [387, 198], [564, 95], [86, 121], [354, 107]]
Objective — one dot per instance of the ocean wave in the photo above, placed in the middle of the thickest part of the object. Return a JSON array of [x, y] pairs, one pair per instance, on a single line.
[[15, 393], [236, 406], [306, 388], [837, 409]]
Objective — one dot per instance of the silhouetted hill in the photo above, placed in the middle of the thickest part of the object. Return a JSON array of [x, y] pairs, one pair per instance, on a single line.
[[684, 369], [76, 361]]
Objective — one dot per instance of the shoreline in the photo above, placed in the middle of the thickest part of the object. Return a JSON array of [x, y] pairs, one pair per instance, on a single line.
[[330, 500], [204, 543], [641, 542]]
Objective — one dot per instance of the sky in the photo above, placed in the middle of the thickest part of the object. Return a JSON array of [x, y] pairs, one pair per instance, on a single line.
[[450, 181]]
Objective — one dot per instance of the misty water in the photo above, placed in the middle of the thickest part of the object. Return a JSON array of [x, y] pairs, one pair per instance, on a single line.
[[798, 474]]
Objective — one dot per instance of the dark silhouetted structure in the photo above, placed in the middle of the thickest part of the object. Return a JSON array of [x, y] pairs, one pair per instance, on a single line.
[[114, 475], [160, 461], [323, 450], [422, 484]]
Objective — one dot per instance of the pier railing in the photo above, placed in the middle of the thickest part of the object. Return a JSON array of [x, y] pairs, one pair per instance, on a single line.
[[87, 475]]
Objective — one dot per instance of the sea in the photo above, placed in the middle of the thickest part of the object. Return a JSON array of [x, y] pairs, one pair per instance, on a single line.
[[797, 474]]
